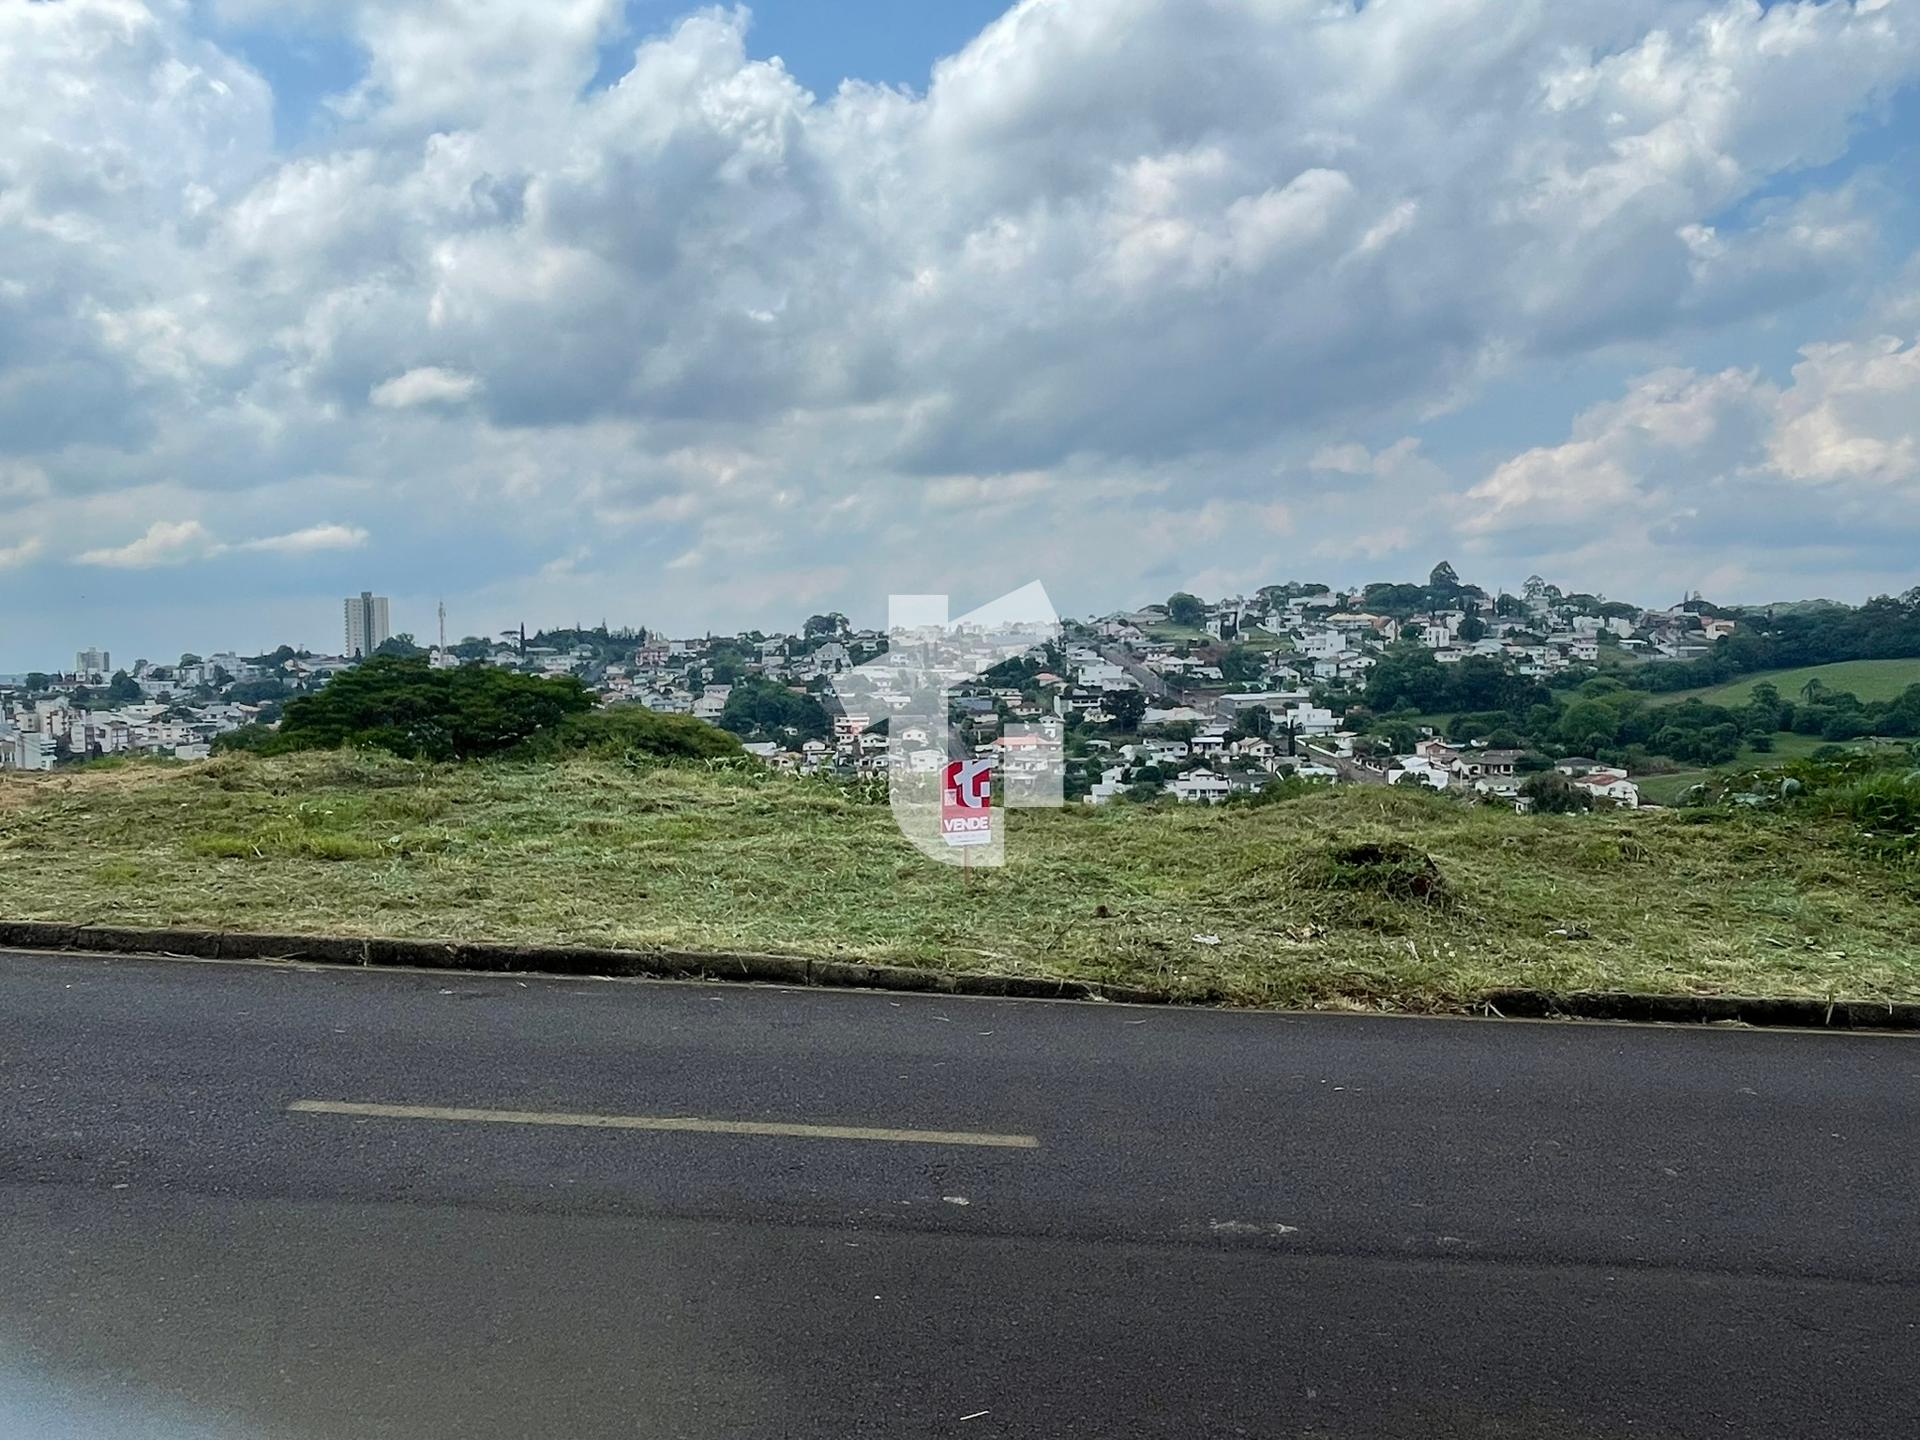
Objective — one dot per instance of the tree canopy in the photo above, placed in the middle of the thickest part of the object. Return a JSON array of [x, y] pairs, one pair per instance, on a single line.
[[633, 731], [1186, 609], [761, 709], [404, 705]]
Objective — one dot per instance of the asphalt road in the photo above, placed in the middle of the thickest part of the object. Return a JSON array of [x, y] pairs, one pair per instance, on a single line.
[[1129, 1222]]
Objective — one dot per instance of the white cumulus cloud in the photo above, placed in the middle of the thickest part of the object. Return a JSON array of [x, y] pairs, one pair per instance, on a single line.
[[20, 552], [428, 385], [167, 542], [1142, 274], [310, 540]]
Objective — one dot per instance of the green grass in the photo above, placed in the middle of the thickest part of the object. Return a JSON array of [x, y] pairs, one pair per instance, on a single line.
[[1866, 679], [1324, 899], [1168, 633], [1665, 789], [1263, 641]]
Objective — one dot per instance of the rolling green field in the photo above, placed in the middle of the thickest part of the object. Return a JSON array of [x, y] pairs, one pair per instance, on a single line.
[[1867, 679], [1347, 896]]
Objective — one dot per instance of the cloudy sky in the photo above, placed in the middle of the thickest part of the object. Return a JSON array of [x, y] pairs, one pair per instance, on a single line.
[[710, 317]]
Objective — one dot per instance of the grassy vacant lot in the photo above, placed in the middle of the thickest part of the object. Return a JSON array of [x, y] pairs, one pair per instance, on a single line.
[[1866, 679], [1169, 633], [1309, 899]]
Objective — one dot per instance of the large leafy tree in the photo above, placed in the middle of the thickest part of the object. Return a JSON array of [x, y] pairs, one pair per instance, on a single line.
[[1186, 609], [404, 705], [1127, 707], [1241, 664], [761, 708]]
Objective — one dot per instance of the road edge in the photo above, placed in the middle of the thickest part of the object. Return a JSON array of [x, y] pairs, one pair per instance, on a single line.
[[579, 960]]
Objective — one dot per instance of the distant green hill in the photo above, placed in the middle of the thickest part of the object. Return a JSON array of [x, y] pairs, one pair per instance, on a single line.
[[1797, 607], [1867, 679]]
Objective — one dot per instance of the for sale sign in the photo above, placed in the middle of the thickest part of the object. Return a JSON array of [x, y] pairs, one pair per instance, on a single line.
[[966, 803]]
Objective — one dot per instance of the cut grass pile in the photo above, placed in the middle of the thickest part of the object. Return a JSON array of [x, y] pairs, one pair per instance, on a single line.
[[1345, 896]]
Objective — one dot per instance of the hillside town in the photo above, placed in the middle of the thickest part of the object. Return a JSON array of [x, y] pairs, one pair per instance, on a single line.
[[1198, 700]]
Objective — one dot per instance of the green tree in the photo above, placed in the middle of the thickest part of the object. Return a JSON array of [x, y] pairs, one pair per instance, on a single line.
[[1127, 707], [276, 658], [255, 739], [1185, 609], [1255, 721], [761, 708], [1585, 721], [123, 690], [1397, 738], [1242, 664], [404, 705], [828, 625], [400, 645], [634, 732], [1554, 794]]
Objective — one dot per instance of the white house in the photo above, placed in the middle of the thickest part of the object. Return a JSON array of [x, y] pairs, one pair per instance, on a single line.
[[1200, 787], [1310, 719], [1609, 785], [1322, 644], [1415, 770], [1211, 741], [1103, 676], [1109, 786]]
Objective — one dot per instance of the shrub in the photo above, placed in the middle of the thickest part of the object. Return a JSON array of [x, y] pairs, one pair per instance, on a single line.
[[627, 732], [1554, 794]]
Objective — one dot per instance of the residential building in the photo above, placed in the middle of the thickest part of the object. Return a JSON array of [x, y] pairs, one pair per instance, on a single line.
[[368, 624], [31, 750], [1199, 787], [1110, 785], [1611, 785]]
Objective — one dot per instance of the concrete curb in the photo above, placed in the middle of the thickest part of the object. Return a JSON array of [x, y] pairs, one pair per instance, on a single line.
[[482, 956], [551, 960], [1797, 1013]]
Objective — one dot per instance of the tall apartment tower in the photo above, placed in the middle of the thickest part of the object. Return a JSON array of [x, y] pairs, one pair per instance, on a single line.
[[367, 627], [90, 663]]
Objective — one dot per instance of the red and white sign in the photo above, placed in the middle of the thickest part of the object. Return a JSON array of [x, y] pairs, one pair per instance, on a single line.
[[966, 803]]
